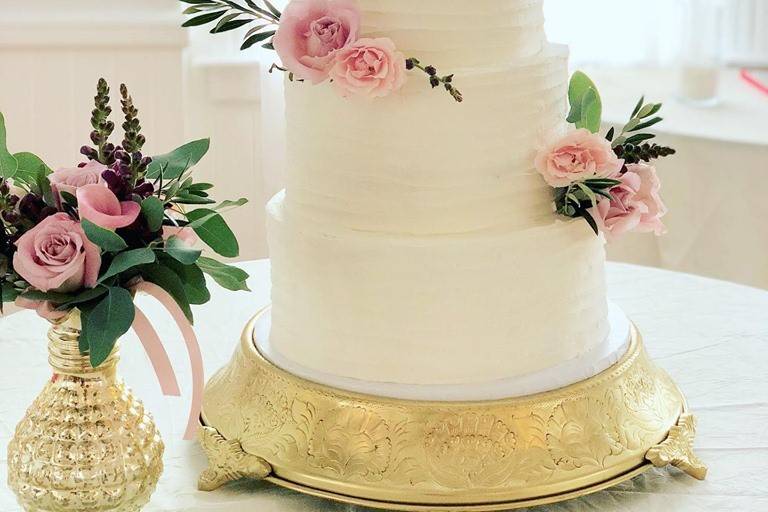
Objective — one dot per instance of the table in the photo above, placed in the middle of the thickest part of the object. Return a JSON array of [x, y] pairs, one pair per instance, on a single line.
[[712, 336]]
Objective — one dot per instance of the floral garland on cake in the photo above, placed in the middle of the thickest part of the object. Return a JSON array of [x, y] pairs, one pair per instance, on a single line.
[[319, 41], [606, 180]]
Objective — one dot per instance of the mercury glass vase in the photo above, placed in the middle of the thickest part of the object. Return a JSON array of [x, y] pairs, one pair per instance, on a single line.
[[86, 443]]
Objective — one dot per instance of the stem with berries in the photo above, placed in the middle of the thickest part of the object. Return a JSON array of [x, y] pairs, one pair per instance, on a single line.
[[102, 127], [434, 79]]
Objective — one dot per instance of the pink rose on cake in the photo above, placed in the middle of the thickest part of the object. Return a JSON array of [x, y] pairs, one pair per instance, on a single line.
[[578, 156], [370, 68], [100, 205], [72, 178], [310, 34], [636, 204], [57, 256]]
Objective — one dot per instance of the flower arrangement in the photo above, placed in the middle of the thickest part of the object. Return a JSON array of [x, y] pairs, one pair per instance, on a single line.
[[319, 41], [607, 180], [86, 237]]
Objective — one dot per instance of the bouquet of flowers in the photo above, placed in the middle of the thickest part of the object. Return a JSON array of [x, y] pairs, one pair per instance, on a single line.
[[607, 180], [87, 237]]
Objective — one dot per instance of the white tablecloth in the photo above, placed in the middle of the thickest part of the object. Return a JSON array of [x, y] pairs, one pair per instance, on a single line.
[[711, 336]]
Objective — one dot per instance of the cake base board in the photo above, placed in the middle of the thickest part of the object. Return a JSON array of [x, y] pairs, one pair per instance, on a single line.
[[262, 422]]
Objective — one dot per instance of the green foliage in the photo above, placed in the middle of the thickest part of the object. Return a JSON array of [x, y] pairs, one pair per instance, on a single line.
[[576, 200], [228, 15], [172, 165], [181, 252], [586, 105], [154, 211], [215, 232], [107, 240], [168, 280], [195, 286], [8, 163], [127, 260], [106, 322], [643, 117], [32, 175], [227, 276]]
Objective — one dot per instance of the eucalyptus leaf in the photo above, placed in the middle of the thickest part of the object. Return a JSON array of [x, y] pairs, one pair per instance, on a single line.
[[174, 164], [274, 10], [215, 232], [179, 250], [591, 111], [192, 278], [107, 322], [257, 38], [128, 260], [638, 107], [578, 87], [154, 212], [33, 173], [85, 296], [8, 163], [227, 276], [640, 137], [169, 281], [108, 240]]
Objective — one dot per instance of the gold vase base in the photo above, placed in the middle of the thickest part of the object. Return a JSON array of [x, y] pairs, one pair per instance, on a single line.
[[261, 422]]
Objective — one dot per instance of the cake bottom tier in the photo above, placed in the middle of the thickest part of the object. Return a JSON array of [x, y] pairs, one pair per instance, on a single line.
[[434, 310]]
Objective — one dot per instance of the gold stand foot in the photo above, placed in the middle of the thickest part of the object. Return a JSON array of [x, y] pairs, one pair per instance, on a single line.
[[228, 462], [677, 450]]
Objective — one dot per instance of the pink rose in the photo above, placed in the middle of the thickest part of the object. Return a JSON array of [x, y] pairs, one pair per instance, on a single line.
[[636, 204], [578, 156], [370, 68], [70, 179], [187, 235], [311, 32], [57, 256], [99, 205]]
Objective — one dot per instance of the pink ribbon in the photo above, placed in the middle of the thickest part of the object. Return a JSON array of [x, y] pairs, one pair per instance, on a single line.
[[159, 357], [155, 349]]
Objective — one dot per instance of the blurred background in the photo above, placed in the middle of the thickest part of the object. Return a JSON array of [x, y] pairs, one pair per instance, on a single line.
[[706, 59]]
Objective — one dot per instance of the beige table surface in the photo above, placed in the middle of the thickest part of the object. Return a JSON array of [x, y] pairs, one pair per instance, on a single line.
[[711, 336]]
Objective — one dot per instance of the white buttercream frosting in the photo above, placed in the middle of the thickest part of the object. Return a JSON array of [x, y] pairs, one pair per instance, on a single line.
[[416, 244]]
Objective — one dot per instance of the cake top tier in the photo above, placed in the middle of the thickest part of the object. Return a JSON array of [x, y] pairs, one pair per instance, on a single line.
[[457, 34]]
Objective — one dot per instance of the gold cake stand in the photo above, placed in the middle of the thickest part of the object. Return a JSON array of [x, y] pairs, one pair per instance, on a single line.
[[261, 422]]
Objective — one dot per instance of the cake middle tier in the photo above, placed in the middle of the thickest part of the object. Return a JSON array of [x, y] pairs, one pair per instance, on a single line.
[[441, 309], [417, 162]]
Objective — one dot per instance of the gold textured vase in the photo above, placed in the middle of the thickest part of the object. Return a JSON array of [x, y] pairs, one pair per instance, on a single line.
[[86, 443]]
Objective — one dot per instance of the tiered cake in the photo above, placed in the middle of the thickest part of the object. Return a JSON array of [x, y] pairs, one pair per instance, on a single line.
[[439, 338], [415, 242]]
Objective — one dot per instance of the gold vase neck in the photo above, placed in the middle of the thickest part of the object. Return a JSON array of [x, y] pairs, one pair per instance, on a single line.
[[64, 349]]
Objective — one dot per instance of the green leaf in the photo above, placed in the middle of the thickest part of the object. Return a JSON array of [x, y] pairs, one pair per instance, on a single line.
[[195, 286], [588, 192], [199, 187], [169, 281], [227, 276], [33, 173], [591, 221], [611, 134], [9, 292], [83, 297], [181, 252], [8, 163], [638, 107], [591, 111], [647, 124], [640, 137], [54, 297], [154, 212], [215, 232], [174, 164], [274, 10], [649, 110], [108, 240], [579, 86], [257, 38], [127, 260], [109, 319], [203, 19], [192, 199], [230, 25], [228, 205]]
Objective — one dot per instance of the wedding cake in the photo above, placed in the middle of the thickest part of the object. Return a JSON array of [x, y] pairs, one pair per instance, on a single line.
[[415, 242]]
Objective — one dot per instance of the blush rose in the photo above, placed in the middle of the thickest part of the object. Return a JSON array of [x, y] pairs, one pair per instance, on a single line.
[[57, 256], [70, 179], [311, 32], [578, 156], [370, 68], [100, 205], [636, 204]]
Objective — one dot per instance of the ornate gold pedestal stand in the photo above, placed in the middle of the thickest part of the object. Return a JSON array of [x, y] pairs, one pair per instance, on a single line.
[[261, 422]]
